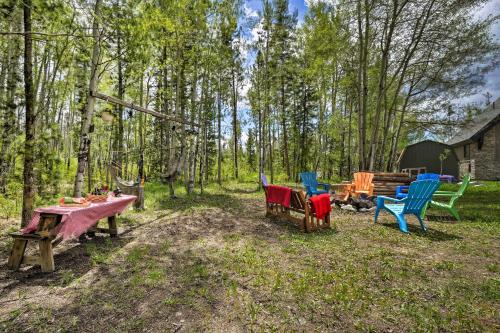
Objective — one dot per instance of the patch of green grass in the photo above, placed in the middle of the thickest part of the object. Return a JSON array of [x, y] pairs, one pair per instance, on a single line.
[[157, 197], [67, 277], [491, 289], [100, 253], [446, 266], [231, 238], [195, 272], [478, 204], [165, 247], [137, 254], [171, 301], [155, 276], [14, 314], [494, 268]]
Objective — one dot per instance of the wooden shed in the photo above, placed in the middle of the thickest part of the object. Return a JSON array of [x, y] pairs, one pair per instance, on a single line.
[[425, 154]]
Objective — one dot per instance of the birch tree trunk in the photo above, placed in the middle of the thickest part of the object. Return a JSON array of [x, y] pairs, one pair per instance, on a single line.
[[119, 152], [387, 36], [360, 88], [235, 123], [89, 105], [285, 132], [9, 118], [140, 162], [219, 133]]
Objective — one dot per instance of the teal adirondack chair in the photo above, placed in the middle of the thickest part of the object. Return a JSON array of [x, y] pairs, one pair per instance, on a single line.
[[419, 194], [311, 184], [453, 196]]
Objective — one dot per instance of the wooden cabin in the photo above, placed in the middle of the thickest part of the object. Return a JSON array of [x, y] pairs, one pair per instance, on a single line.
[[477, 145]]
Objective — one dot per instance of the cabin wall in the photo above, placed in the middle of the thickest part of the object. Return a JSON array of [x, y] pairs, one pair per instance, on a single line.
[[486, 159]]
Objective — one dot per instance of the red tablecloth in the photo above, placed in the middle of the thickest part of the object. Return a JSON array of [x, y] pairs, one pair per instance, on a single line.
[[77, 220], [321, 205], [279, 195]]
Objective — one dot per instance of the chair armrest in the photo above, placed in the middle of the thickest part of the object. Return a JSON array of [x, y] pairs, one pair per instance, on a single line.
[[445, 193], [308, 189], [326, 186], [451, 194], [383, 198], [400, 188]]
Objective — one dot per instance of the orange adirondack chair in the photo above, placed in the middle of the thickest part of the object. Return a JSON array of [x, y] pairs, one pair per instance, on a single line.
[[363, 183]]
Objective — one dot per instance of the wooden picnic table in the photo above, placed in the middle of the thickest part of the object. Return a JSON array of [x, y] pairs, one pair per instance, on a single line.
[[51, 225]]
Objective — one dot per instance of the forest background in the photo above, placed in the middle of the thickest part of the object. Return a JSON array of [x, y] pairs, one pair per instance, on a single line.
[[341, 87]]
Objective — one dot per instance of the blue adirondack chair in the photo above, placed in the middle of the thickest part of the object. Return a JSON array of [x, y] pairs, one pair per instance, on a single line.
[[311, 184], [419, 194], [263, 178], [402, 191]]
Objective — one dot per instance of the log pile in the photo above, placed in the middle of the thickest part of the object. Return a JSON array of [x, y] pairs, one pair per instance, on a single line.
[[386, 182]]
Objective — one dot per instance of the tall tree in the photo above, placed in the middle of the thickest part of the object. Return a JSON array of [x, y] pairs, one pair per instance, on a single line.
[[88, 110], [8, 102], [29, 127]]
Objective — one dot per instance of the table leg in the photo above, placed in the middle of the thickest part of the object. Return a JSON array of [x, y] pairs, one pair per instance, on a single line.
[[113, 230], [17, 254], [46, 255]]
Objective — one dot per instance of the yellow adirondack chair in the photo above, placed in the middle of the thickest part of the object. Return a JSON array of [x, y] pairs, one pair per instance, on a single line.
[[363, 183]]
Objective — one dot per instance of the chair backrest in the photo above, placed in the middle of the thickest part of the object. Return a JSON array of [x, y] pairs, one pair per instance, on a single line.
[[430, 176], [362, 180], [419, 194], [461, 189], [465, 184], [309, 179], [263, 178]]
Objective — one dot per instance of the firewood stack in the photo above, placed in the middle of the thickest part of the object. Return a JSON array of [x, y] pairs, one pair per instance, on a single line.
[[386, 182]]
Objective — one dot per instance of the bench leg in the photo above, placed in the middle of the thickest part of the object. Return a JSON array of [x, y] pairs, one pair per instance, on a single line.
[[46, 255], [17, 254], [113, 230], [91, 232]]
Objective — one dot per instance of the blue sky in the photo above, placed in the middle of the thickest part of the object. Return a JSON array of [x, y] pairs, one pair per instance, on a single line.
[[293, 4]]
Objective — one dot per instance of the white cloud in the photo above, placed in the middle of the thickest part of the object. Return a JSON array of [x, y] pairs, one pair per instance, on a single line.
[[250, 12], [256, 32], [312, 2]]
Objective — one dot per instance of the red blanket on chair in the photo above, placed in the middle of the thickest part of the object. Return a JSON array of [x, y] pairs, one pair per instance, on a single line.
[[279, 195], [321, 205]]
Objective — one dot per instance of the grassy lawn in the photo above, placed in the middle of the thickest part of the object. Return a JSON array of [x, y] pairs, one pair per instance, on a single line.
[[215, 263]]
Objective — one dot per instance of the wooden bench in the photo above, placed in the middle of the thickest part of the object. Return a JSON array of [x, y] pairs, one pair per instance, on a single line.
[[46, 242], [298, 204]]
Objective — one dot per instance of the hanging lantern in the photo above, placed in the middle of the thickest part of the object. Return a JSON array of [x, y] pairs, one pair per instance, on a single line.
[[107, 116]]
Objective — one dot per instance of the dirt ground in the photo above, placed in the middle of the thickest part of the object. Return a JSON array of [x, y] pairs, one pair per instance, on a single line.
[[219, 265]]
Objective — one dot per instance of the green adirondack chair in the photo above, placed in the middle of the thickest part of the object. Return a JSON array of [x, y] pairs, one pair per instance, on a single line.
[[453, 196]]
